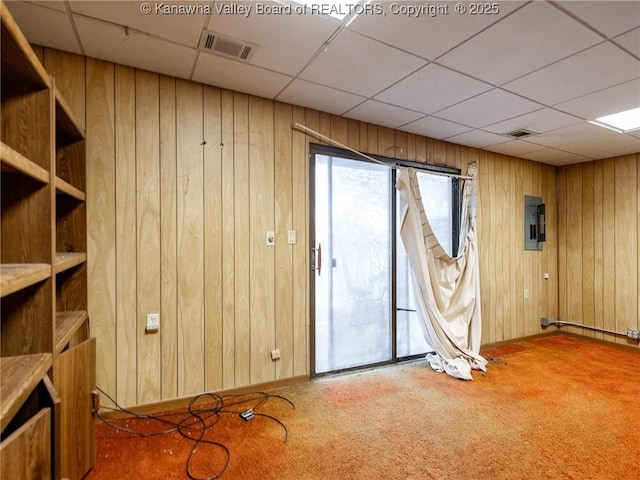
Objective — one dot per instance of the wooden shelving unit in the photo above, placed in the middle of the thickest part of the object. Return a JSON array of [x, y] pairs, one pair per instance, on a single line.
[[47, 358], [16, 388]]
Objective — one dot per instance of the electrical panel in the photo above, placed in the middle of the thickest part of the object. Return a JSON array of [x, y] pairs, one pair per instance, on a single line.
[[534, 223]]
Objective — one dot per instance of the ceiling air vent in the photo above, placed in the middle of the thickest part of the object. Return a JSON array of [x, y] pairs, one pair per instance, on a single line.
[[215, 43], [520, 133]]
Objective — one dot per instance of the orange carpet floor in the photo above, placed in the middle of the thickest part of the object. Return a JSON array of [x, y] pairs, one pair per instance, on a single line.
[[557, 407]]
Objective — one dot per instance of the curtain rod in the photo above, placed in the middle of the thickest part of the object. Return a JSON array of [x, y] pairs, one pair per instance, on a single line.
[[302, 128]]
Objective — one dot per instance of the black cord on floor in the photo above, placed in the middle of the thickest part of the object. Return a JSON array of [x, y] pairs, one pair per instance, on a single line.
[[195, 421]]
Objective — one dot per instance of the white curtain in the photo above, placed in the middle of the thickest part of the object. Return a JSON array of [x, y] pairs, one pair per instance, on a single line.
[[447, 289]]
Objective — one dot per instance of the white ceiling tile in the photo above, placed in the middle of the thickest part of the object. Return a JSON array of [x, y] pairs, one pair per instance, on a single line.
[[275, 34], [476, 138], [630, 41], [392, 116], [585, 72], [604, 102], [44, 26], [624, 146], [569, 135], [634, 134], [428, 36], [555, 157], [359, 65], [515, 148], [54, 4], [488, 108], [589, 141], [319, 97], [183, 29], [238, 76], [111, 43], [435, 128], [432, 88], [539, 121], [530, 38], [608, 17]]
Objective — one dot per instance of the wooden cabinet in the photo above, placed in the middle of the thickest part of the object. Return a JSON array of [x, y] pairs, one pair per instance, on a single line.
[[46, 352]]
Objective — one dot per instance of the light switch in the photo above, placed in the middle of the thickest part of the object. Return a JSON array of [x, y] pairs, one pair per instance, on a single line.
[[292, 237]]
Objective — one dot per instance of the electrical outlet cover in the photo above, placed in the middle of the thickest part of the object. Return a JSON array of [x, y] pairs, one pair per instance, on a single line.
[[270, 238], [153, 322]]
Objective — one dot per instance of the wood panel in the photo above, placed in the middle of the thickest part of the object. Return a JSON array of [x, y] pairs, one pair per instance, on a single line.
[[283, 185], [147, 221], [168, 238], [588, 247], [500, 322], [300, 209], [190, 237], [126, 244], [68, 69], [598, 235], [242, 185], [609, 245], [228, 241], [213, 239], [574, 244], [512, 247], [261, 220], [101, 225], [626, 234]]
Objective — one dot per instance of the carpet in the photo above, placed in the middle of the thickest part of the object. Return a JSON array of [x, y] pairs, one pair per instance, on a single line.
[[557, 407]]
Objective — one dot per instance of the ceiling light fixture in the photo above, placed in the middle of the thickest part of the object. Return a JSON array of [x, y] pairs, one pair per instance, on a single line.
[[621, 122], [338, 9]]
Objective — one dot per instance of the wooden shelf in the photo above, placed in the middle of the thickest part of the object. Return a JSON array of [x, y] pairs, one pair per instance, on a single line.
[[66, 122], [19, 376], [17, 276], [67, 260], [44, 306], [68, 189], [18, 59], [13, 161], [67, 324]]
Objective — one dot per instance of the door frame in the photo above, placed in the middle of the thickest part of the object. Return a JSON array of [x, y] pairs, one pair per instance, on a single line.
[[314, 149]]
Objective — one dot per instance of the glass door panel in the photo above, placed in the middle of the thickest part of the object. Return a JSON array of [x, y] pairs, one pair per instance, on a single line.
[[352, 324], [437, 196]]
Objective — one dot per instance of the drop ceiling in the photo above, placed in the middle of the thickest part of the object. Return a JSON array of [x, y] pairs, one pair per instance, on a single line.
[[545, 67]]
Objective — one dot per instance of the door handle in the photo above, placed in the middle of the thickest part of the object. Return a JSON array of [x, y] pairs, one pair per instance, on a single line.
[[316, 259]]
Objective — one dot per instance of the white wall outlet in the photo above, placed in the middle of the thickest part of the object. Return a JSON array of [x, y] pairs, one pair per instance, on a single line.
[[275, 354], [270, 238], [526, 293], [292, 237], [153, 323]]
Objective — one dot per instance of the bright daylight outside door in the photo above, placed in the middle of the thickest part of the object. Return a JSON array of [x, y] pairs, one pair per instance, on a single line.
[[353, 262], [357, 315]]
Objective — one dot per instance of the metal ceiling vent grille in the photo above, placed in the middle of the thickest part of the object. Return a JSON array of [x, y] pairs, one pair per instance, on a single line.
[[213, 42], [520, 133]]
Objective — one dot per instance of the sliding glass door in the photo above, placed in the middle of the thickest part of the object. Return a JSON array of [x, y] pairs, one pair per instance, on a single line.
[[362, 300]]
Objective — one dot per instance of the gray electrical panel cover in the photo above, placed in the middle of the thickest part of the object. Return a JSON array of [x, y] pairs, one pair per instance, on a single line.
[[534, 223]]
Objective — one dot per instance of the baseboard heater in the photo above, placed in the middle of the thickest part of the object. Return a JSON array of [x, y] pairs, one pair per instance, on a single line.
[[631, 332]]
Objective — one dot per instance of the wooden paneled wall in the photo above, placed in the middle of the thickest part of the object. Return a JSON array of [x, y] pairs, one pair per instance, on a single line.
[[599, 248], [183, 182]]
